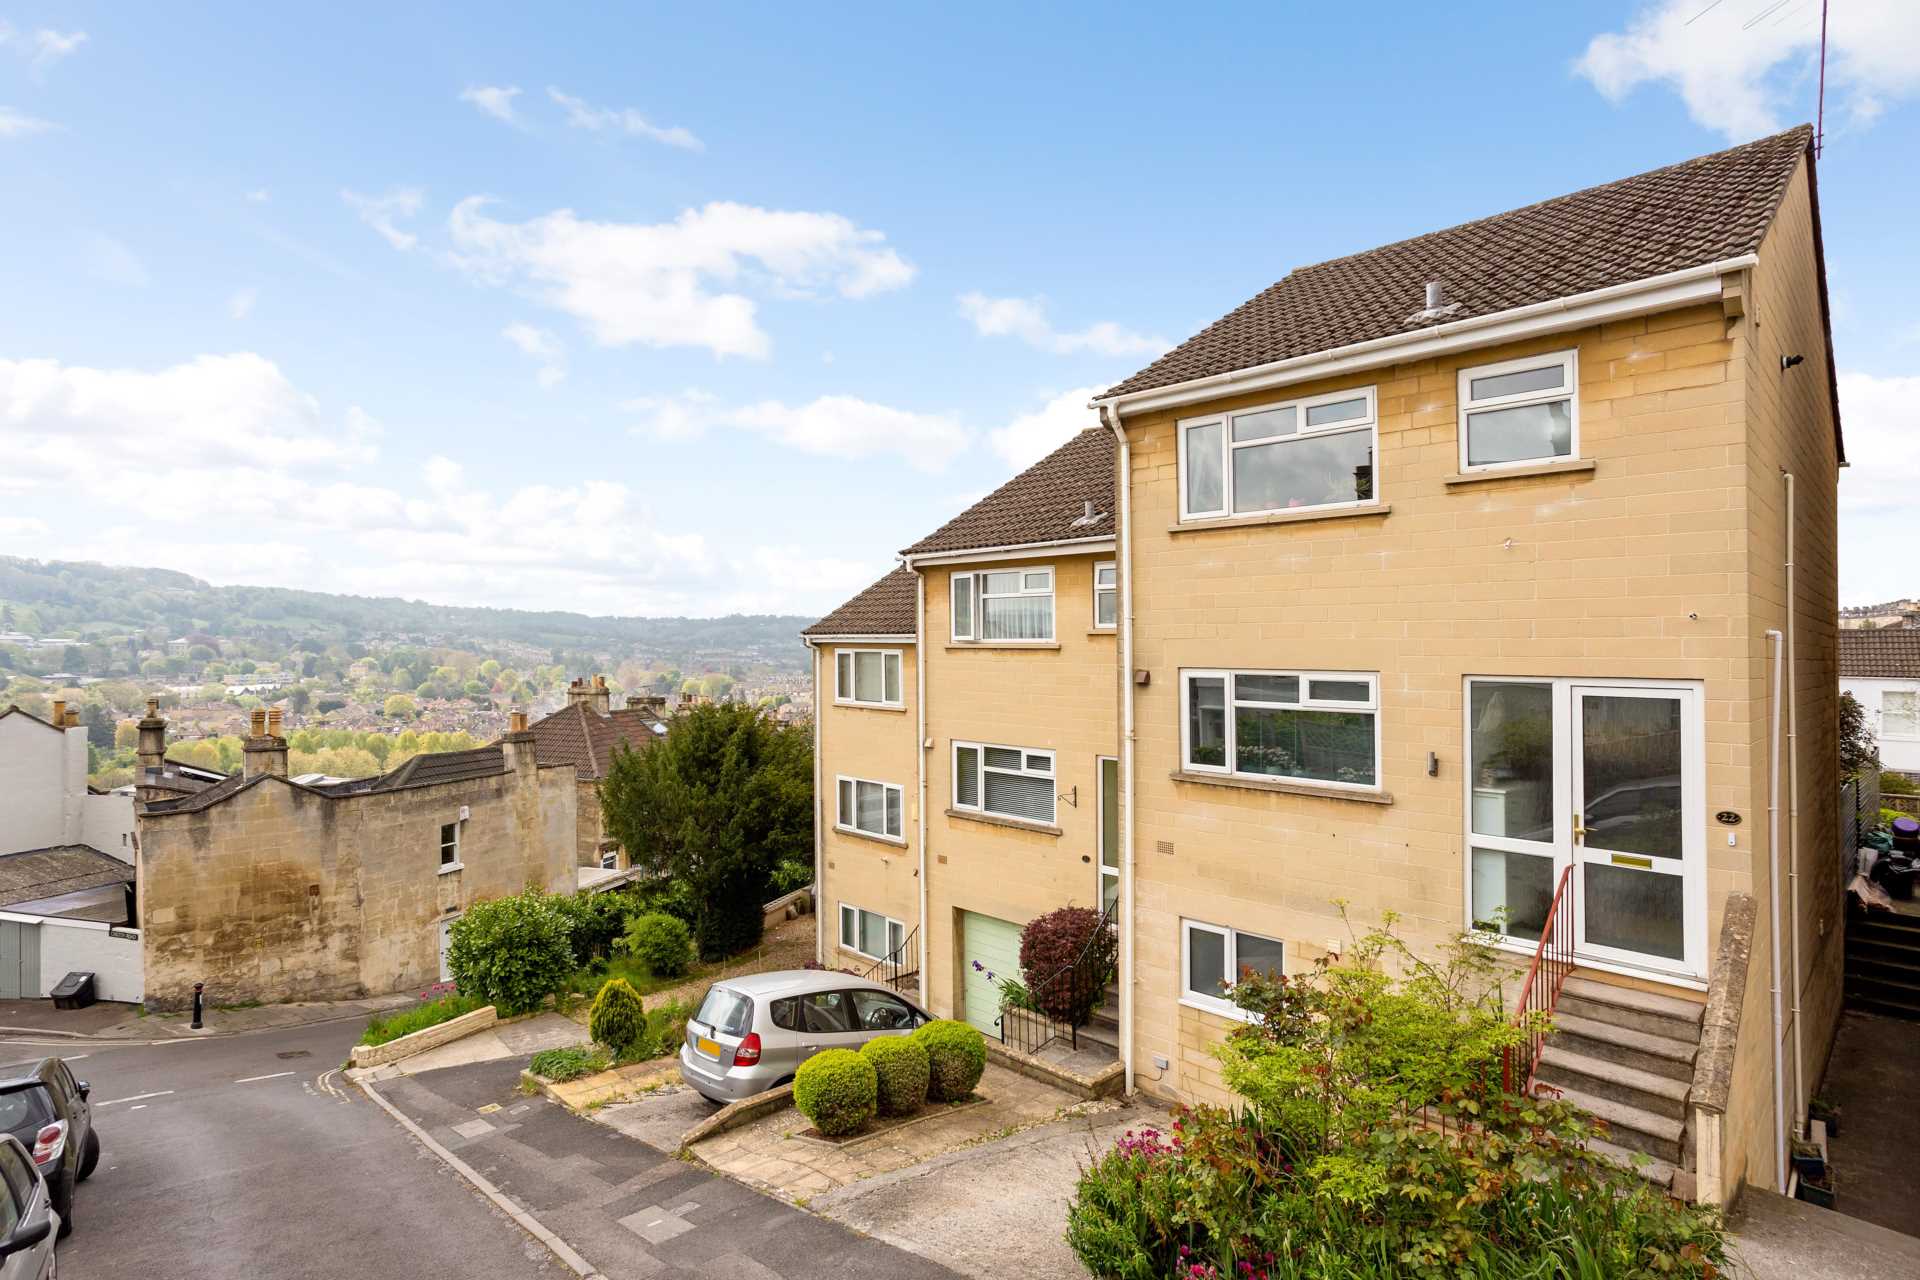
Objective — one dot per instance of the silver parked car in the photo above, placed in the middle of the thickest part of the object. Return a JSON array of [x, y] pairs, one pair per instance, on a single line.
[[752, 1033], [28, 1221]]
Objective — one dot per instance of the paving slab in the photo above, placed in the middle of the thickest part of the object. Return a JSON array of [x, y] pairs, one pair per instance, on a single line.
[[1870, 1074], [1774, 1238]]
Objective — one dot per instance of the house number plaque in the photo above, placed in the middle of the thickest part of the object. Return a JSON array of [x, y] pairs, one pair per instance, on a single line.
[[1727, 818]]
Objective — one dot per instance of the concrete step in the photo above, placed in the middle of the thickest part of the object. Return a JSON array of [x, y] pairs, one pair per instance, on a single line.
[[1658, 1172], [1898, 972], [1659, 1055], [1630, 1127], [1867, 948], [1658, 1094], [1875, 996], [1634, 1009], [1100, 1033], [1885, 925]]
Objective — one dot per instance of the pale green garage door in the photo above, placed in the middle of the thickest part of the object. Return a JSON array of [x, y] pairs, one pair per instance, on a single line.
[[995, 944]]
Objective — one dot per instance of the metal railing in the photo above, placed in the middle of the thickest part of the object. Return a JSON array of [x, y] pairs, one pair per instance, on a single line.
[[1552, 962], [1075, 985], [900, 964]]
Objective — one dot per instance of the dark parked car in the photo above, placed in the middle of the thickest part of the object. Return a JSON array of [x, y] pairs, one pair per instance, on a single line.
[[43, 1106]]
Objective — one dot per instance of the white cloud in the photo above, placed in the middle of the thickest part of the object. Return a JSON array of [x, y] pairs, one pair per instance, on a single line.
[[108, 260], [1738, 75], [542, 346], [493, 100], [383, 213], [1026, 319], [1032, 436], [849, 427], [18, 124], [655, 284], [1878, 509], [240, 303], [582, 115], [51, 46], [685, 415]]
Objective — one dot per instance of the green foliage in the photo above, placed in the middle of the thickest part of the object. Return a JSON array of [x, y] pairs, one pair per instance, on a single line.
[[659, 941], [717, 804], [511, 952], [618, 1019], [419, 1017], [794, 873], [562, 1065], [1375, 1139], [956, 1057], [1859, 750], [594, 921], [903, 1071], [837, 1090], [1893, 783], [666, 1030], [1053, 943]]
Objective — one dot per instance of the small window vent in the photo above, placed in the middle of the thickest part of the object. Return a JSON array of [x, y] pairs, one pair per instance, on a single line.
[[1163, 846]]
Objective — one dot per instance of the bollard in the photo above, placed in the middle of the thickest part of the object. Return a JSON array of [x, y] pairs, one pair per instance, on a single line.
[[198, 987]]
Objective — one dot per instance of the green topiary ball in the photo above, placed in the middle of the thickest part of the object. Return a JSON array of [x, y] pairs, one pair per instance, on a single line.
[[618, 1018], [659, 941], [956, 1057], [903, 1071], [837, 1090]]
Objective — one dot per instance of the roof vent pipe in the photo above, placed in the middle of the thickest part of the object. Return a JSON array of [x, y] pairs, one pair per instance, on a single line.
[[1436, 294]]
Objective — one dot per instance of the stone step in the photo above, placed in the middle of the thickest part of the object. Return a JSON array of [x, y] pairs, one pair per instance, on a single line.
[[1886, 926], [1658, 1094], [1659, 1055], [1898, 972], [1899, 998], [1101, 1033], [1656, 1171], [1885, 1008], [1868, 948], [1634, 1009], [1630, 1127]]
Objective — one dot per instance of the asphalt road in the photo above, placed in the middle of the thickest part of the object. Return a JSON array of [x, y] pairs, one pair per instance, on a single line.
[[248, 1160]]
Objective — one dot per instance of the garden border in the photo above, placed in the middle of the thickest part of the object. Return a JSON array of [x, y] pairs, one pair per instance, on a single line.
[[378, 1055]]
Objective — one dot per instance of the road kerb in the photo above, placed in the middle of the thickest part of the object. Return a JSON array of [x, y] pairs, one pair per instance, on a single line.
[[530, 1224]]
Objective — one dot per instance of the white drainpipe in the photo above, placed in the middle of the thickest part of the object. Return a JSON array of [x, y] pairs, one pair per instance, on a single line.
[[1774, 642], [1124, 558], [819, 861], [1793, 825], [920, 757]]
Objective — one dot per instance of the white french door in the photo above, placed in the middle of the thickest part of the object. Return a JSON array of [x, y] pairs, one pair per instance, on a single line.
[[1109, 772], [1603, 778]]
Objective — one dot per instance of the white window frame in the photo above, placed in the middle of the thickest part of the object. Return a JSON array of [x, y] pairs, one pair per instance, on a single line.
[[893, 928], [1112, 591], [1889, 734], [844, 821], [844, 690], [977, 596], [980, 749], [1306, 702], [1570, 392], [450, 864], [1217, 1004], [1370, 424]]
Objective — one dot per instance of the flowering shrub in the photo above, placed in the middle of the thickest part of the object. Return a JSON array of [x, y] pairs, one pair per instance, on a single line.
[[1050, 945]]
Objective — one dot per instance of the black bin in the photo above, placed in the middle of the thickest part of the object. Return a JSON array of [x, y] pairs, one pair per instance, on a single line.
[[75, 991]]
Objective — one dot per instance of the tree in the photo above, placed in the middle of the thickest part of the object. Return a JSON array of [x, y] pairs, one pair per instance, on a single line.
[[716, 805], [298, 698], [399, 706], [1859, 753]]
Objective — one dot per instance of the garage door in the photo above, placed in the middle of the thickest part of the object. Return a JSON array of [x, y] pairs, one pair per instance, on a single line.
[[19, 960], [995, 945]]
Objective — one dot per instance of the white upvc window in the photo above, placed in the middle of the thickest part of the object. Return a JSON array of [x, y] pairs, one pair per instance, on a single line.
[[1106, 595], [1295, 455], [1900, 713], [867, 677], [1213, 957], [449, 846], [869, 933], [870, 808], [1520, 412], [1321, 727], [1013, 605], [1008, 782]]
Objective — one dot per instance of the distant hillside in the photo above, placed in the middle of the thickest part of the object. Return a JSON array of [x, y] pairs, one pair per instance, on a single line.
[[61, 597]]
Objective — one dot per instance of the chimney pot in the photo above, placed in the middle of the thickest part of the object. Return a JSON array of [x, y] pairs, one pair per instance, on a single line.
[[599, 682], [153, 708], [1436, 294], [59, 713], [517, 722], [273, 722], [257, 723]]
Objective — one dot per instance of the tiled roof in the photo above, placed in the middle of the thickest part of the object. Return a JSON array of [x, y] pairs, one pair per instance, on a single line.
[[1047, 502], [587, 740], [1885, 653], [430, 768], [1686, 215], [15, 709], [47, 873], [200, 799], [883, 609]]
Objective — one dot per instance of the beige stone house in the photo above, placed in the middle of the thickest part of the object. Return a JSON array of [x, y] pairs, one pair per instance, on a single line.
[[1485, 575], [587, 733]]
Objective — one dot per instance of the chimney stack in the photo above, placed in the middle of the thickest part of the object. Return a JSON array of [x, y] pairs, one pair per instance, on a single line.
[[59, 713], [600, 697], [517, 747], [152, 750], [264, 751]]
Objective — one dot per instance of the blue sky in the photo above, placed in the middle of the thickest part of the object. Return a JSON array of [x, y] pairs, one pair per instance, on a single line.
[[688, 311]]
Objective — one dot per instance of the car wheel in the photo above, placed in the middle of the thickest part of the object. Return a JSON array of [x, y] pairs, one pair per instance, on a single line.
[[89, 1155]]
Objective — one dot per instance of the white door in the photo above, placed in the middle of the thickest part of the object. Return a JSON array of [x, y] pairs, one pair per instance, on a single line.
[[1109, 831], [446, 941]]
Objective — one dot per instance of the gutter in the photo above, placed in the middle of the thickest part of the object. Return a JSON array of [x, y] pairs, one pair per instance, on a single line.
[[1015, 550], [1638, 297], [1110, 414]]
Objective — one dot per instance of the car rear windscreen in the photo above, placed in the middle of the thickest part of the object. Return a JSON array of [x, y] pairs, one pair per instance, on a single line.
[[25, 1110], [727, 1012]]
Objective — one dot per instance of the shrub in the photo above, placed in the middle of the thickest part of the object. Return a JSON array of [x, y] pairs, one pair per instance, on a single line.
[[666, 1029], [594, 921], [903, 1070], [561, 1065], [794, 873], [419, 1017], [1053, 942], [511, 952], [618, 1020], [836, 1089], [956, 1057], [1895, 783], [661, 942]]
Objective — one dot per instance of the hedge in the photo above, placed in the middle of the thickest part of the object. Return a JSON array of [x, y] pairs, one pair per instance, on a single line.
[[904, 1073], [956, 1057], [838, 1090]]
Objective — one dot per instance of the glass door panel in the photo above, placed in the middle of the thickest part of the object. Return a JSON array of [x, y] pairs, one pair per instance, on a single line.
[[1510, 808], [1109, 831]]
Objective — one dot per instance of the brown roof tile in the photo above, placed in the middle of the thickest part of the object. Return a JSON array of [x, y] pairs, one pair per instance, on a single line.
[[1686, 215], [587, 740], [1045, 503], [883, 609], [1885, 653]]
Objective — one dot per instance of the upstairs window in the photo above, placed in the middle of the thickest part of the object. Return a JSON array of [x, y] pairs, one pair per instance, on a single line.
[[867, 677], [1012, 605], [449, 844], [872, 808], [1297, 455], [1519, 411], [1106, 595], [1900, 713], [1008, 782], [1301, 726]]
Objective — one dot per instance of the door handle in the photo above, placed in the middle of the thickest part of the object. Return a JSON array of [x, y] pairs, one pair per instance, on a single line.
[[1579, 828]]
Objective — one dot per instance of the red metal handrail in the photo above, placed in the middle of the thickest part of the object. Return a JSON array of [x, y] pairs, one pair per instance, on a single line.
[[1552, 962]]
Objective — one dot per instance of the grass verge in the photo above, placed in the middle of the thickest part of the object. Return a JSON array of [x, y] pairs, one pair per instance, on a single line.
[[418, 1018]]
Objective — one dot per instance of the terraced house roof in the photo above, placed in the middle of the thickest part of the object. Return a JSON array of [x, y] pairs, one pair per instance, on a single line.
[[588, 740], [883, 609], [1692, 214], [1048, 502], [1886, 653]]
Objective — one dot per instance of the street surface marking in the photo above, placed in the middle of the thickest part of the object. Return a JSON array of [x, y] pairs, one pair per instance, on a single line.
[[275, 1076], [161, 1093]]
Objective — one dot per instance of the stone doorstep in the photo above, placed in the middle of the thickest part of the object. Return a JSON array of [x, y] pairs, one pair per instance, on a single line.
[[1109, 1081]]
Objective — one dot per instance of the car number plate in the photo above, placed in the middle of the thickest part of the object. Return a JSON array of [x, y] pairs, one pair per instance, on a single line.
[[709, 1047]]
